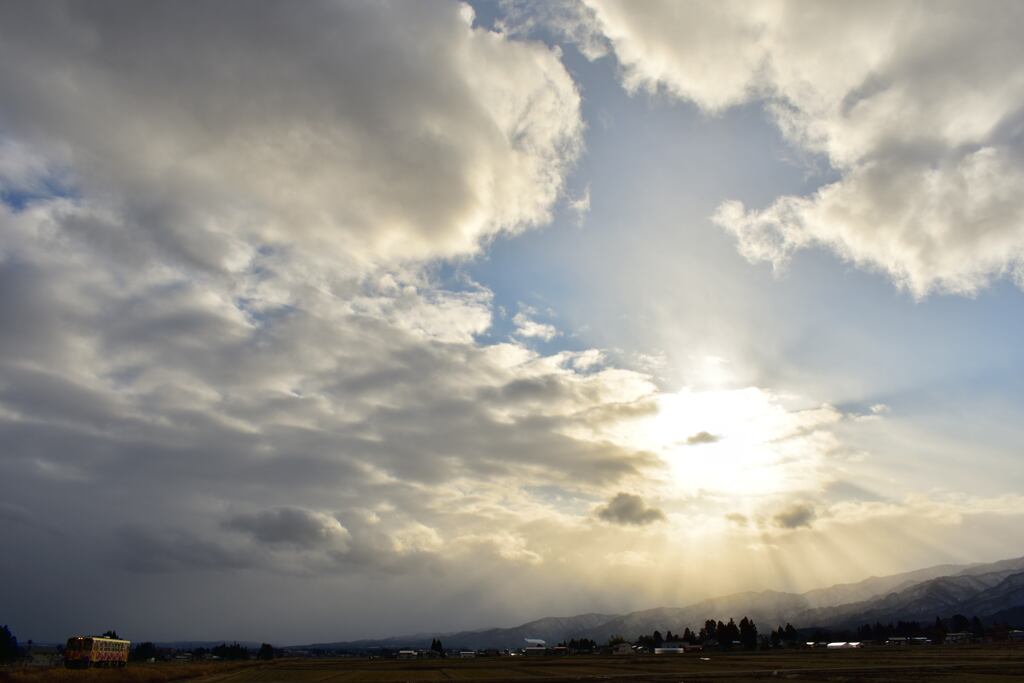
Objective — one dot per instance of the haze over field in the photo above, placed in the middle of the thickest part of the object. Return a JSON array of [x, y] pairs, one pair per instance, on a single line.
[[336, 320]]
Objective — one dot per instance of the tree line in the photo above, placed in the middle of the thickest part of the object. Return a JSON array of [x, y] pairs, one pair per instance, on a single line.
[[744, 635], [726, 635]]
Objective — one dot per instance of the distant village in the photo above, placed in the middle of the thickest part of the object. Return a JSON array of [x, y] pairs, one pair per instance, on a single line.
[[720, 636], [716, 636]]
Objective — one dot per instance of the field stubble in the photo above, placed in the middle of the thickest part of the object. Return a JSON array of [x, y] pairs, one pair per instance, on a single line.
[[984, 664]]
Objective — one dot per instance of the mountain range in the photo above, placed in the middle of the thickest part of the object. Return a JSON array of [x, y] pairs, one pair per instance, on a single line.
[[991, 591]]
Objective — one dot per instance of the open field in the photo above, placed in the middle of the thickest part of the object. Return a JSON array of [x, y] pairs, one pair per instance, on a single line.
[[986, 664], [989, 664], [134, 673]]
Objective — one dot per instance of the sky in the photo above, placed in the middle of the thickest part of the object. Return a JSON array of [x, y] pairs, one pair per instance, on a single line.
[[352, 319]]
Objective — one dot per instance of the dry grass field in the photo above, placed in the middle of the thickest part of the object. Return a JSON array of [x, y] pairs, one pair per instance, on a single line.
[[984, 664], [134, 673]]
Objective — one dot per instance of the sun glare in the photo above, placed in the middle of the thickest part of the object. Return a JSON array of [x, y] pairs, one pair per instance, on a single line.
[[740, 441]]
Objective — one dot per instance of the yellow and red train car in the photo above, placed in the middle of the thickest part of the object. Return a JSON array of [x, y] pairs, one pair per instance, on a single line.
[[86, 651]]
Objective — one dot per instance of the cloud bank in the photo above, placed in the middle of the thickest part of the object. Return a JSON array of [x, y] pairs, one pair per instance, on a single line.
[[362, 133], [915, 107]]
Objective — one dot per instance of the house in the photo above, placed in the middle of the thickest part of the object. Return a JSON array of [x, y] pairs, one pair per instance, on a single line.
[[622, 649], [408, 654], [958, 637], [467, 654], [669, 650], [844, 645]]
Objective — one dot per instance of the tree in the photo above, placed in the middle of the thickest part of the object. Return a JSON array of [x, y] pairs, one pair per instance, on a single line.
[[436, 646], [581, 645], [111, 634], [266, 652], [657, 639], [144, 651], [726, 634], [8, 646], [748, 634], [615, 640], [233, 651]]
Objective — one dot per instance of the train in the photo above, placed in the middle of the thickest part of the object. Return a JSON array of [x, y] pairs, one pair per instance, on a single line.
[[82, 652]]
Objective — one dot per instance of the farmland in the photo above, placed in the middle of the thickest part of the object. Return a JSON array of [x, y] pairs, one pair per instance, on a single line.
[[927, 664], [965, 663]]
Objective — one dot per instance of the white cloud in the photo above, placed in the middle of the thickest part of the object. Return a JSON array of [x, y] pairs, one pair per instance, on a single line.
[[359, 133], [916, 108], [527, 327], [580, 206]]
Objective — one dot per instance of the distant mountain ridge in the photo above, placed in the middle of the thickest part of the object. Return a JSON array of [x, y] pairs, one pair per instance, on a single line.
[[985, 590], [982, 595], [552, 629]]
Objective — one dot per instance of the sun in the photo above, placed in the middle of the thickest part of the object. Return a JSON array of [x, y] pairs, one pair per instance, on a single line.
[[734, 442]]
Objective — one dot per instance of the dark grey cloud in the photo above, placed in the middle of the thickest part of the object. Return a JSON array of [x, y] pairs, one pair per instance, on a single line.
[[290, 525], [795, 515], [628, 508], [167, 550]]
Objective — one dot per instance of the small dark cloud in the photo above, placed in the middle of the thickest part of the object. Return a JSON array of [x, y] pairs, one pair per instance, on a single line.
[[737, 519], [289, 525], [795, 516], [626, 508], [701, 438]]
